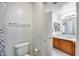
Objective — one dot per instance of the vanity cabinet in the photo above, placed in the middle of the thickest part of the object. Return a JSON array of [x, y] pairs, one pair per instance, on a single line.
[[64, 45], [56, 43]]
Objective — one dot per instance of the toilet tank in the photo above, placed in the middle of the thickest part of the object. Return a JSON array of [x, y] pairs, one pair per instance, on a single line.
[[22, 48]]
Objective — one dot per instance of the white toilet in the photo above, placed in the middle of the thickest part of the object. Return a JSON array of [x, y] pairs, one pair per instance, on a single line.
[[22, 49]]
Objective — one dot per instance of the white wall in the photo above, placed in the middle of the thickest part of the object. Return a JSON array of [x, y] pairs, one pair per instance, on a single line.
[[2, 11], [49, 7], [77, 23], [48, 28], [41, 39], [18, 13], [39, 28]]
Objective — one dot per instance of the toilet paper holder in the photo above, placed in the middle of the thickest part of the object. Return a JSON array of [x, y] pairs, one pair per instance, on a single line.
[[36, 50]]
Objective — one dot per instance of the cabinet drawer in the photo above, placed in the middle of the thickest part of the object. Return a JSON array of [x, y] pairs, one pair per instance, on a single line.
[[67, 46], [56, 43]]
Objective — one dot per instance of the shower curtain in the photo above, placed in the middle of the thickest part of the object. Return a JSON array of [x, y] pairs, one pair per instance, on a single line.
[[2, 43]]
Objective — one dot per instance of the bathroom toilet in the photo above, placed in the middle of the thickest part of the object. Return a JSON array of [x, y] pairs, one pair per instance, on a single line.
[[22, 49]]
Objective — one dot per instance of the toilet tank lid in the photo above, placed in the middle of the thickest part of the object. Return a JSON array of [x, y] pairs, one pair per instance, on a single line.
[[21, 44]]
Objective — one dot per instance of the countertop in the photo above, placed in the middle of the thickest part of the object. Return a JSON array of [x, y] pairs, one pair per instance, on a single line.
[[66, 37]]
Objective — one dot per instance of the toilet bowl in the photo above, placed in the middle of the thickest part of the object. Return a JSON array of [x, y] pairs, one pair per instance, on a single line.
[[22, 49]]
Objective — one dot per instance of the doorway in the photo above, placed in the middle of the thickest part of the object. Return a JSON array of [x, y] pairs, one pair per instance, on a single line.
[[55, 31]]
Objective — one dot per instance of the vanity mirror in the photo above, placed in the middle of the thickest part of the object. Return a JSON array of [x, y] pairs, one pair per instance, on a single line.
[[64, 19], [69, 25]]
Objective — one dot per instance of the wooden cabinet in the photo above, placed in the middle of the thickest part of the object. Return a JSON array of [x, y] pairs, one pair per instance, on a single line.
[[64, 45], [67, 46], [56, 43]]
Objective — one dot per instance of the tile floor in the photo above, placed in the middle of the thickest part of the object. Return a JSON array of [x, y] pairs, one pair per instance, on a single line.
[[56, 52]]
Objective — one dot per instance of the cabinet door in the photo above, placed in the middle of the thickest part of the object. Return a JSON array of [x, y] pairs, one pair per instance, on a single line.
[[56, 43], [67, 46]]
